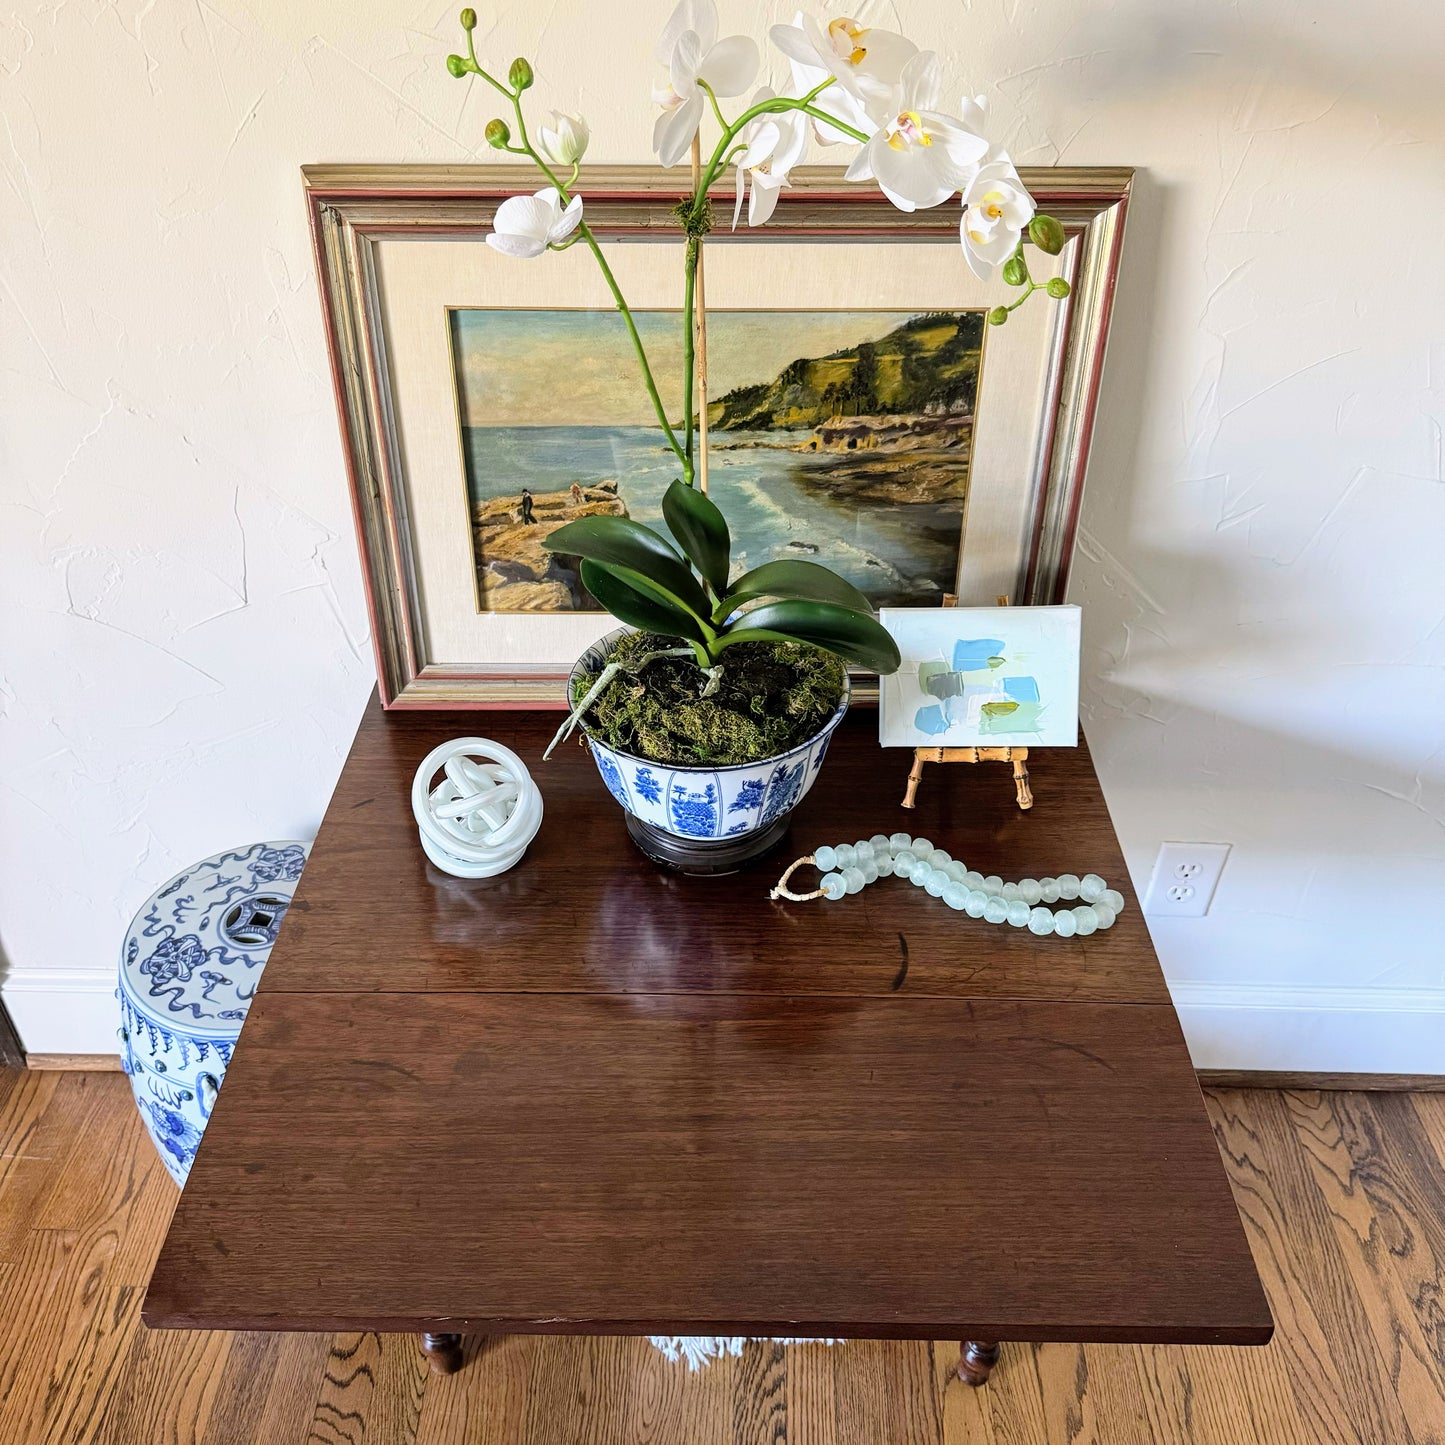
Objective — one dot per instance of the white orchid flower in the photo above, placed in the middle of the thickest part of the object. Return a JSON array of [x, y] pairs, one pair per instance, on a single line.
[[695, 57], [565, 140], [774, 145], [867, 62], [997, 210], [527, 225], [835, 100], [920, 157]]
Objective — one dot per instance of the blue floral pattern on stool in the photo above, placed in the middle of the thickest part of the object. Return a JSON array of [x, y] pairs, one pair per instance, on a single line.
[[189, 967], [708, 802]]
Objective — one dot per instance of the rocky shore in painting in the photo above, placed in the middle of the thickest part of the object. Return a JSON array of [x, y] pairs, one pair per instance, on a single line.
[[913, 458], [517, 573]]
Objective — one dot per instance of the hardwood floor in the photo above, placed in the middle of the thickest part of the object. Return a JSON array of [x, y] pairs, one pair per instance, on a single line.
[[1343, 1197]]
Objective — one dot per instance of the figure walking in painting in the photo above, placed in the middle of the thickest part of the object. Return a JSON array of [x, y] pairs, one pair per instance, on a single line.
[[576, 495], [528, 520]]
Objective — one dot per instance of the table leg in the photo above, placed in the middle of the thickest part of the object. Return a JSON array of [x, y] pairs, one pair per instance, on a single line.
[[444, 1352], [977, 1361]]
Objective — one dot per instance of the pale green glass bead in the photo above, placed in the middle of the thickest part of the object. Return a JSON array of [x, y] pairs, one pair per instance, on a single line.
[[845, 855], [1068, 885], [993, 884], [1030, 890], [1009, 892], [1086, 919], [956, 871], [870, 870], [955, 895], [1091, 886], [996, 910], [1065, 924], [880, 843], [884, 864], [925, 855], [833, 885], [1048, 890], [921, 874], [1041, 921], [922, 847], [862, 850], [899, 841], [1103, 913], [973, 878], [941, 858], [1018, 913], [853, 877], [937, 881], [905, 862], [825, 858], [975, 903], [1113, 898]]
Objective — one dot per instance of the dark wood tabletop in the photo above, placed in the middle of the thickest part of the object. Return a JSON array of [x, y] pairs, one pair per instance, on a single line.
[[590, 1096]]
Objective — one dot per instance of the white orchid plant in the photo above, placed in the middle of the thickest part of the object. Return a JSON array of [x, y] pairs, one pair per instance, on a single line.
[[848, 84]]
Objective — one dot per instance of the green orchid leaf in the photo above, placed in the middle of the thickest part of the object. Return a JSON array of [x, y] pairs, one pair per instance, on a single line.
[[621, 542], [701, 532], [616, 590], [805, 580], [854, 636]]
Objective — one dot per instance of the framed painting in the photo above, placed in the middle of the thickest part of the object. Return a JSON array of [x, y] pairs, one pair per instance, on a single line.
[[860, 411]]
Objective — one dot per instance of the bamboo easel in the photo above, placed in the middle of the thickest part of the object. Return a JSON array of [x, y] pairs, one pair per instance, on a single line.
[[1017, 756]]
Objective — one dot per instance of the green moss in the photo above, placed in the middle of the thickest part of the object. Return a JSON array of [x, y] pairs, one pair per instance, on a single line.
[[772, 697]]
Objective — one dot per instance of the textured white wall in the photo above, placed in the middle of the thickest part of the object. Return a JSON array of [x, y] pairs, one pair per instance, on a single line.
[[184, 641]]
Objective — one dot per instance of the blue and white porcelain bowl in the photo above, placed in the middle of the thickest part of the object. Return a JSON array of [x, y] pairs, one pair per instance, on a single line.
[[736, 804], [188, 968]]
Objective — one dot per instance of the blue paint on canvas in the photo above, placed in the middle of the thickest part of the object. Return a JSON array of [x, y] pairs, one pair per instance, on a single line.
[[972, 654]]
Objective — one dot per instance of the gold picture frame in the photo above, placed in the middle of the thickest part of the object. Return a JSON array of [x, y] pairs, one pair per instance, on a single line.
[[399, 425]]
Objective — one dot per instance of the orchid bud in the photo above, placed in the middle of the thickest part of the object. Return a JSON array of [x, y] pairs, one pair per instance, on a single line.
[[1047, 234], [469, 19], [1015, 272], [498, 134], [520, 76], [1057, 287], [456, 66], [565, 140], [998, 316]]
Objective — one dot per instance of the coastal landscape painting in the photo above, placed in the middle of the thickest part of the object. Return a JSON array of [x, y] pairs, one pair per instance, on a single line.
[[841, 436]]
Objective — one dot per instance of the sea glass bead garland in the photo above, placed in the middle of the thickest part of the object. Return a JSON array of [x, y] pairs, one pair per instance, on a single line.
[[851, 867]]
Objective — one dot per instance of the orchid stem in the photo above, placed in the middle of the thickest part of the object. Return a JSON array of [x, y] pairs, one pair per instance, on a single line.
[[585, 232]]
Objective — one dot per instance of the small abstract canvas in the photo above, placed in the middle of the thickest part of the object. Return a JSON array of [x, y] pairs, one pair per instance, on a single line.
[[982, 677]]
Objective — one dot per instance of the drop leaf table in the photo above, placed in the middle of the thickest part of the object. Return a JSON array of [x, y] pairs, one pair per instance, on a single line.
[[589, 1096]]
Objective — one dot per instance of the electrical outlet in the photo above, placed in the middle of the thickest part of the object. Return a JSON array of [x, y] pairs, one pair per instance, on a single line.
[[1184, 879]]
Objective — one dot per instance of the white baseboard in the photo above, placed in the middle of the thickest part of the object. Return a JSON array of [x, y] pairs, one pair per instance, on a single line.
[[1229, 1026], [1313, 1030], [64, 1010]]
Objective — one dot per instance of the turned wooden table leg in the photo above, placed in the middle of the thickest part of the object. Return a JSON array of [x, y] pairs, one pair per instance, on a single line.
[[444, 1352], [977, 1362]]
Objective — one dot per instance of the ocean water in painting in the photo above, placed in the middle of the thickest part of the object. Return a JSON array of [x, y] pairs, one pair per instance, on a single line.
[[852, 453]]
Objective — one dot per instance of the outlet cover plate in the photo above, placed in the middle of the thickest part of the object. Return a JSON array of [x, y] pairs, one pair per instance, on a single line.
[[1184, 879]]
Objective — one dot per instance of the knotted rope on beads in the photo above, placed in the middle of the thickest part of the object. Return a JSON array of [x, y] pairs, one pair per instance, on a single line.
[[851, 867], [478, 820]]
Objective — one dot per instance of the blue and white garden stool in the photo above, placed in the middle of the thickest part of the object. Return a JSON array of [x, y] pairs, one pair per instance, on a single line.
[[188, 970]]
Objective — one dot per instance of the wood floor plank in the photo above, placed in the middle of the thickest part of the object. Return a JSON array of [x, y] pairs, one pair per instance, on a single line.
[[883, 1392], [1341, 1392], [115, 1184], [171, 1381], [371, 1391], [28, 1148]]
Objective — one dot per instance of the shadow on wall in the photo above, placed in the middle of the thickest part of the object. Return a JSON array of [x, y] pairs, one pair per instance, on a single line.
[[1383, 64]]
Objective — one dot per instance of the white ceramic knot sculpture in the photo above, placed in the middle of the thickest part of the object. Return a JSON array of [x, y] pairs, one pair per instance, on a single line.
[[477, 821]]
